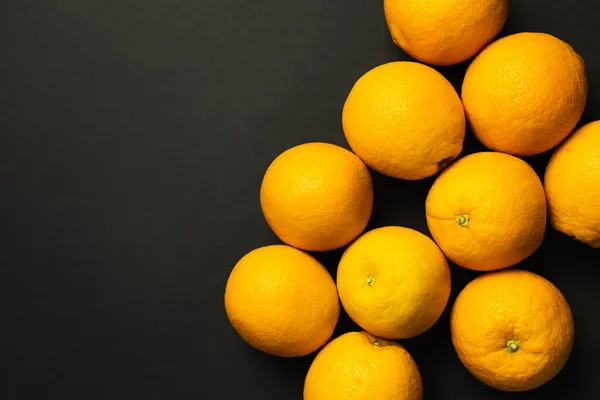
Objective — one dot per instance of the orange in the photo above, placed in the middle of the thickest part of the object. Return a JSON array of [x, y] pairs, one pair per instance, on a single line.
[[443, 32], [394, 282], [525, 93], [360, 366], [317, 196], [572, 184], [487, 211], [405, 120], [512, 329], [282, 301]]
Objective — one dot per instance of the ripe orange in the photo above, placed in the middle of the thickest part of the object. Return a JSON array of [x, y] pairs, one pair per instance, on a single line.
[[282, 301], [394, 282], [512, 329], [405, 120], [487, 211], [443, 32], [572, 184], [359, 366], [317, 196], [525, 93]]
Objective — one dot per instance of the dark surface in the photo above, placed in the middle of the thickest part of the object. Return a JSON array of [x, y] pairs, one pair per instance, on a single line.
[[133, 139]]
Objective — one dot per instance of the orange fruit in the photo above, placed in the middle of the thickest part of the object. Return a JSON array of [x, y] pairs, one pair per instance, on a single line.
[[360, 366], [443, 32], [282, 301], [405, 120], [525, 93], [487, 211], [394, 282], [317, 196], [572, 183], [512, 329]]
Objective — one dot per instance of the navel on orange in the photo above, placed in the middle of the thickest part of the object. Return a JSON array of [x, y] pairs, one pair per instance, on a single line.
[[512, 329]]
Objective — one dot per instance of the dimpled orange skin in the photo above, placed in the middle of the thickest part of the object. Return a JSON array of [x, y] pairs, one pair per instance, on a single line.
[[404, 120], [360, 366], [394, 282], [512, 308], [572, 183], [504, 205], [282, 301], [444, 32], [317, 196], [525, 93]]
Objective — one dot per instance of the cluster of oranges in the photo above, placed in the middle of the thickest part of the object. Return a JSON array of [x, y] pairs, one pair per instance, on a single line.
[[512, 329]]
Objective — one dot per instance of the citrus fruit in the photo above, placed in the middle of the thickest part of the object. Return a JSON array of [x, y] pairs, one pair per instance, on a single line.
[[512, 329], [282, 301], [317, 196], [487, 211], [394, 282], [524, 93], [443, 32], [404, 119], [572, 184], [360, 366]]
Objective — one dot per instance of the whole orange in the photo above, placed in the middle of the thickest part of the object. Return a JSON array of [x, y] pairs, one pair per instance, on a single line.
[[443, 32], [360, 366], [512, 329], [572, 183], [405, 120], [394, 282], [282, 301], [317, 196], [524, 93], [487, 211]]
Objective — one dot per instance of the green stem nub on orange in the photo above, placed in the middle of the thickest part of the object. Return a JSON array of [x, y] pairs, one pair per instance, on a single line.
[[370, 280], [462, 219], [512, 346]]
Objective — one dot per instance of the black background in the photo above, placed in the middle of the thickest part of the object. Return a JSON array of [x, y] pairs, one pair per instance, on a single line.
[[133, 139]]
